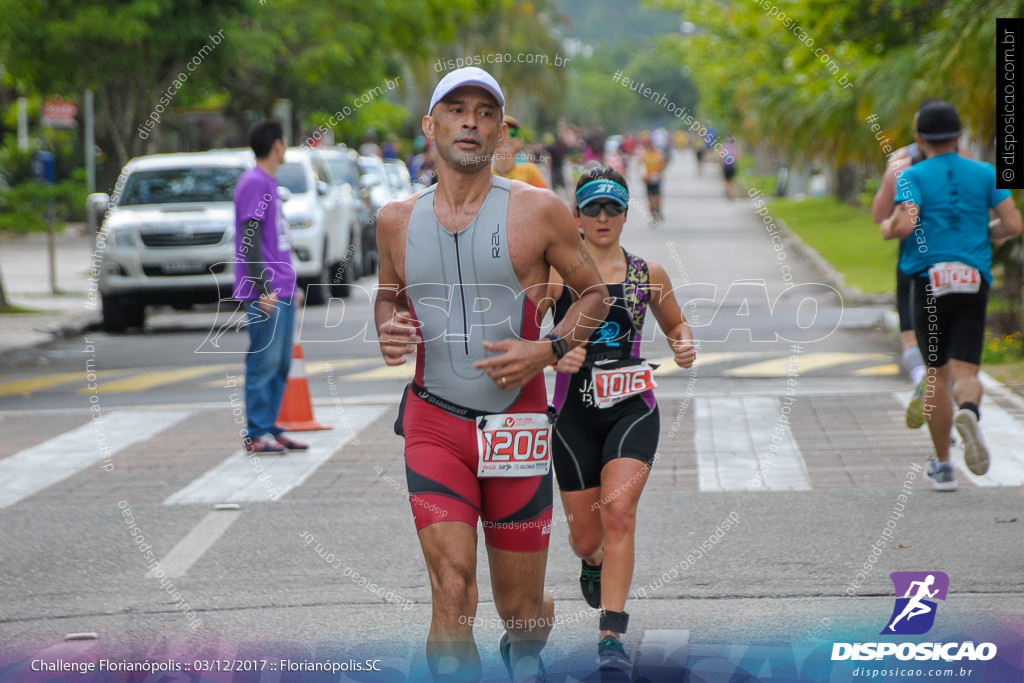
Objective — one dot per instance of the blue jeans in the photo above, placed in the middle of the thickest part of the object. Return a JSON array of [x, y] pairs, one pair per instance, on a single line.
[[267, 364]]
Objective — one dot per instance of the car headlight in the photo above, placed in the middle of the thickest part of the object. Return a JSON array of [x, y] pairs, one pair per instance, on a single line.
[[121, 237], [300, 223]]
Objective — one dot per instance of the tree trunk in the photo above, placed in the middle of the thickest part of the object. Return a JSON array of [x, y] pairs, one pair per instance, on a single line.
[[3, 296], [846, 183]]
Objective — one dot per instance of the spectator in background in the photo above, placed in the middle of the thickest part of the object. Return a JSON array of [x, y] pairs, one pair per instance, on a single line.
[[663, 141], [654, 164], [370, 148], [505, 164], [729, 161], [265, 282], [557, 151], [414, 162], [627, 149], [391, 146], [593, 146]]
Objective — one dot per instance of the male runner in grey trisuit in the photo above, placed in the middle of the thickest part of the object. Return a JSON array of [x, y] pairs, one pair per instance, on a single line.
[[533, 231]]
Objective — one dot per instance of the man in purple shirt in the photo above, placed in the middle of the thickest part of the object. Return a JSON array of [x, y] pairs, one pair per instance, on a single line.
[[265, 282]]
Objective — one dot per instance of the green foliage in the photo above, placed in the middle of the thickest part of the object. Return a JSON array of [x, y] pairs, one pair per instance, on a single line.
[[1004, 348], [845, 236], [25, 207], [595, 99]]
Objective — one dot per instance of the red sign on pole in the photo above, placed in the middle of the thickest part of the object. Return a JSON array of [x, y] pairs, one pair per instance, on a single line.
[[59, 113]]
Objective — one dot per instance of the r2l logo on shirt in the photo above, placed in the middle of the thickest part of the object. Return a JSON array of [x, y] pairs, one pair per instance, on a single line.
[[513, 445]]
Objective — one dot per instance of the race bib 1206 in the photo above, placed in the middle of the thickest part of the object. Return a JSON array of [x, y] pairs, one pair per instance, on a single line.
[[513, 445]]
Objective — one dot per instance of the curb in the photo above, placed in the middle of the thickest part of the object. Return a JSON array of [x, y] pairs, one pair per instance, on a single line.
[[851, 295], [68, 328]]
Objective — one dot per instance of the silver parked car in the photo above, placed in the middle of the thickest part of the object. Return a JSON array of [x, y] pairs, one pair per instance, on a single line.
[[323, 223], [169, 236]]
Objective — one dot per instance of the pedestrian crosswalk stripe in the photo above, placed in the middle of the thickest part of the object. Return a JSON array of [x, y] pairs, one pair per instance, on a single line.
[[34, 469], [1002, 434], [150, 380], [805, 362], [240, 478], [196, 542], [762, 455]]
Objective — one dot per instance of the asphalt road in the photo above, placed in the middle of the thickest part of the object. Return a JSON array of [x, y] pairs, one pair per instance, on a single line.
[[283, 578]]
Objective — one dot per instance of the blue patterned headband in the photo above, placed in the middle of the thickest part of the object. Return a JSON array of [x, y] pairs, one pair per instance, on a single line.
[[602, 188]]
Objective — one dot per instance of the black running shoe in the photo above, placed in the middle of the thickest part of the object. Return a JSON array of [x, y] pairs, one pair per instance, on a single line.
[[590, 583], [612, 657]]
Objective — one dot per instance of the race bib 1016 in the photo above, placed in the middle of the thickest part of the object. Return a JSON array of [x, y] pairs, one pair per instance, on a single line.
[[618, 384], [513, 445]]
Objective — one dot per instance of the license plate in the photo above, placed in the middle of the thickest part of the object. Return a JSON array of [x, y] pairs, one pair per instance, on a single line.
[[183, 267]]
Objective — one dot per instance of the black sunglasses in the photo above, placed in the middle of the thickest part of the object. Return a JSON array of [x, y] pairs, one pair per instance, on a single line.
[[593, 210]]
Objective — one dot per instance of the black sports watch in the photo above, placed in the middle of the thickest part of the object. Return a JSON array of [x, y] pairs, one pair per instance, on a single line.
[[558, 345]]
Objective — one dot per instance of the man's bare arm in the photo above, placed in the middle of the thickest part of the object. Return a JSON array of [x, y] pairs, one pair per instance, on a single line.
[[569, 256], [881, 206], [1009, 225], [396, 331], [902, 221]]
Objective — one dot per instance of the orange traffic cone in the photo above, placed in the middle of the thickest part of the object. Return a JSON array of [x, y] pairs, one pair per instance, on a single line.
[[297, 408]]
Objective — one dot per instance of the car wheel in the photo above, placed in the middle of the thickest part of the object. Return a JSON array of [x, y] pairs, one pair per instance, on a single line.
[[370, 260], [341, 285], [113, 315], [134, 313], [316, 295]]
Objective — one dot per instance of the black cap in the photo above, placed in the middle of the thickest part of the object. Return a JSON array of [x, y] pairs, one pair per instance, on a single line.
[[938, 121]]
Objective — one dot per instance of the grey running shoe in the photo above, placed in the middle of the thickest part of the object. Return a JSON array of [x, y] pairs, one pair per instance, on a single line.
[[915, 409], [505, 650], [940, 474], [975, 450], [612, 658]]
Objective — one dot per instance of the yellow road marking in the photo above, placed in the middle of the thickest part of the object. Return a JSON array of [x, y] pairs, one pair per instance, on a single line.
[[314, 368], [149, 380], [24, 387], [779, 367], [887, 370], [668, 364]]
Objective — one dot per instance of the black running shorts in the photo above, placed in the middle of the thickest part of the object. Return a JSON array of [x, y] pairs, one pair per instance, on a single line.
[[949, 326], [586, 438]]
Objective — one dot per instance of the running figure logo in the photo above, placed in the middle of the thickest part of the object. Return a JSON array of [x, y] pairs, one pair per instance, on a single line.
[[914, 613]]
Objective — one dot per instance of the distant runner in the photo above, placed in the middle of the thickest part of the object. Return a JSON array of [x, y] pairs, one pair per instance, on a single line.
[[654, 165], [506, 163], [881, 208], [942, 209]]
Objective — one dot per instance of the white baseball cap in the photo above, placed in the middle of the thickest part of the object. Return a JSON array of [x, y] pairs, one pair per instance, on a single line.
[[467, 75]]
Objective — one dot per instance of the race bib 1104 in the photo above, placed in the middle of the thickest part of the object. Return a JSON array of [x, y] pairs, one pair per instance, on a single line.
[[954, 278]]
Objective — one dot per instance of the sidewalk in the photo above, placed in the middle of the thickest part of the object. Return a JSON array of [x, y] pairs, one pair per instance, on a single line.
[[25, 269]]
